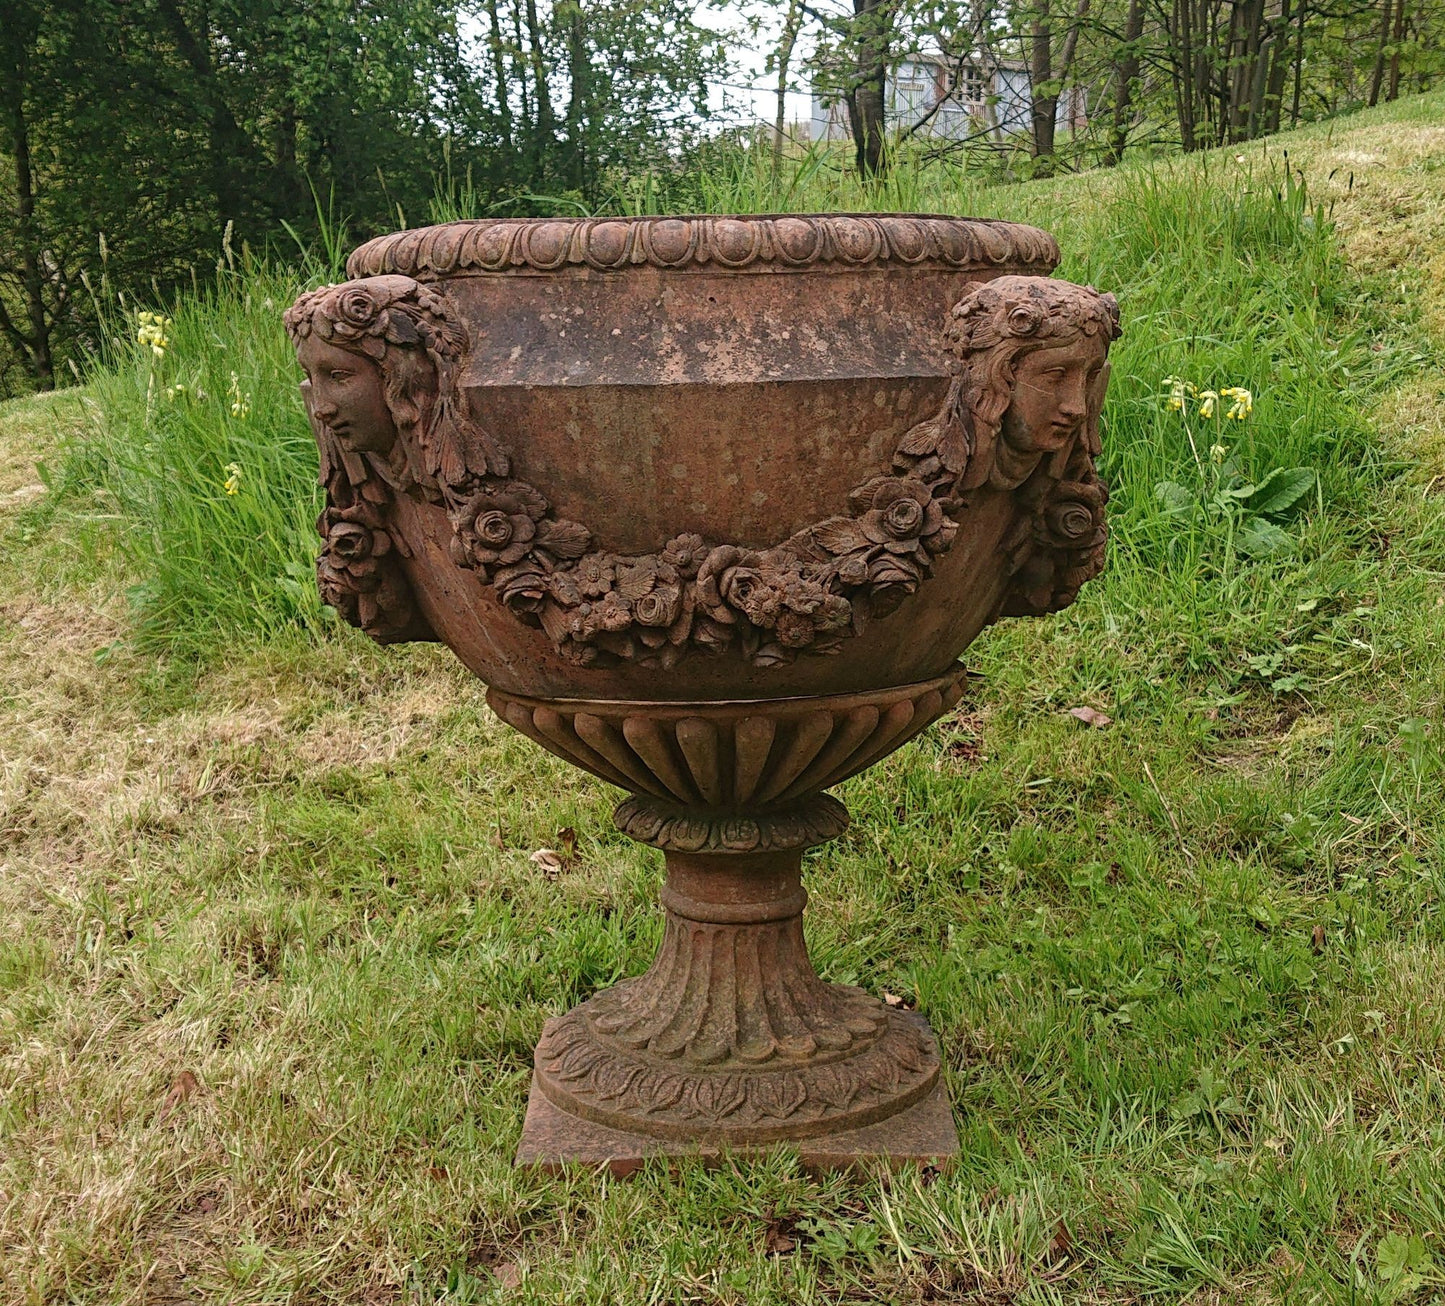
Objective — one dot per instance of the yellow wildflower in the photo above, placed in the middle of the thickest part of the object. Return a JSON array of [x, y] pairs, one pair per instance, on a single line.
[[1178, 389], [240, 404], [1207, 400], [1217, 453], [151, 330], [233, 478], [1242, 405]]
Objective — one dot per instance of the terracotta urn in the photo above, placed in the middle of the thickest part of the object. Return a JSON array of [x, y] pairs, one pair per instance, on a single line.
[[713, 505]]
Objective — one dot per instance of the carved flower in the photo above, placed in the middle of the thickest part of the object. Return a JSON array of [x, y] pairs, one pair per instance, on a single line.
[[795, 630], [496, 526], [357, 575], [522, 587], [773, 592], [349, 561], [1026, 318], [351, 542], [1073, 518], [611, 613], [357, 307], [901, 514], [748, 591], [892, 579], [660, 606], [685, 553], [595, 574]]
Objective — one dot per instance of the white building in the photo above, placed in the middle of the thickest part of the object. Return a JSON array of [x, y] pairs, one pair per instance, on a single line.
[[991, 101]]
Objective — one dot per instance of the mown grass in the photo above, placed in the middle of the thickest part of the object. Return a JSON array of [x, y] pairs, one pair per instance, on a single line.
[[274, 955]]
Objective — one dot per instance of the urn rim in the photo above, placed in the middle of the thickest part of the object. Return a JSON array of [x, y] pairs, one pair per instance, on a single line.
[[716, 243]]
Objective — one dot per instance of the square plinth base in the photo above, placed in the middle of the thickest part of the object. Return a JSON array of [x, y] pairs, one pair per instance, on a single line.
[[552, 1139]]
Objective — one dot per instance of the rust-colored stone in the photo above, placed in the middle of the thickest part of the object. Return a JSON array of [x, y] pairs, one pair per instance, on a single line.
[[713, 505]]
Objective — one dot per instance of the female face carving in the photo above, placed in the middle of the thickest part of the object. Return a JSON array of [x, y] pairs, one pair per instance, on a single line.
[[346, 394], [1051, 393], [1051, 397]]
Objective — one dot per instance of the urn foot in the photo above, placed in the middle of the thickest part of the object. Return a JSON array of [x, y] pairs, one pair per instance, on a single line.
[[922, 1134]]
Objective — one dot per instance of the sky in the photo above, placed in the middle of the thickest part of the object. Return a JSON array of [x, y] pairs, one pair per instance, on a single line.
[[750, 94]]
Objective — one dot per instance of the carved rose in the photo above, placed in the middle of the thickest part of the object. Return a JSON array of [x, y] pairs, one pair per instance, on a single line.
[[357, 308], [357, 574], [659, 607], [496, 526], [902, 515], [350, 558], [773, 593], [522, 587], [1070, 523], [748, 591], [1073, 518]]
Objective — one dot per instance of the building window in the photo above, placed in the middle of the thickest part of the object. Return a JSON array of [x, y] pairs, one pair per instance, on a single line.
[[970, 86]]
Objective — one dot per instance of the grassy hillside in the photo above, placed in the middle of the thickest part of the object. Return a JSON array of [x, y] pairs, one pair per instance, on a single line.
[[273, 953]]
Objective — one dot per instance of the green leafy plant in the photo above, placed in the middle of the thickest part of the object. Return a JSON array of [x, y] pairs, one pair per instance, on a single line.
[[1405, 1265], [1248, 509]]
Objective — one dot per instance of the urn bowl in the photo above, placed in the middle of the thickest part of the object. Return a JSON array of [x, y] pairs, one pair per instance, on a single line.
[[679, 386]]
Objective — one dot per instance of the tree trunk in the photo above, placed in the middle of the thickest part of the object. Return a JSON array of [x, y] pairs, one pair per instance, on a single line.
[[546, 134], [1128, 68], [1387, 12], [1184, 75], [871, 19], [1278, 69], [34, 344], [791, 23], [1043, 106], [1299, 61], [231, 148], [499, 72], [1392, 90], [1248, 90], [579, 71]]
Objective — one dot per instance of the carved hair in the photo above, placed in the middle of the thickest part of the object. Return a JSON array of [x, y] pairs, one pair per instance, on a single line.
[[995, 325], [417, 344]]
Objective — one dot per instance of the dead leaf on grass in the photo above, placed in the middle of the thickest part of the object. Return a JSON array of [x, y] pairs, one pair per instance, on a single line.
[[549, 862], [1061, 1245], [1317, 938], [1091, 716], [508, 1274], [183, 1086], [893, 1000], [567, 837], [779, 1240]]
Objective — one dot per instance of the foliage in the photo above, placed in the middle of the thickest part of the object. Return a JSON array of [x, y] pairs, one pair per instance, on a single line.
[[137, 135]]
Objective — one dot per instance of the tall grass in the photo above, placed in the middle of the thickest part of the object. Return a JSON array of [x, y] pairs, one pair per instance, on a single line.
[[1225, 276], [202, 456]]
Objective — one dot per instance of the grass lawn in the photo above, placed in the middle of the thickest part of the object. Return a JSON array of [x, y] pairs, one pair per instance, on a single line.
[[273, 953]]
